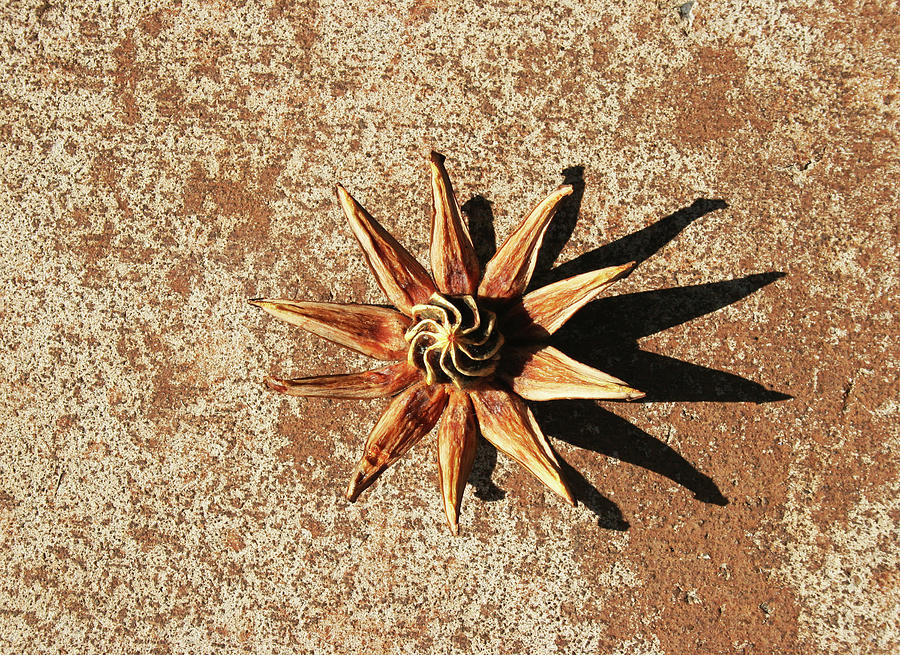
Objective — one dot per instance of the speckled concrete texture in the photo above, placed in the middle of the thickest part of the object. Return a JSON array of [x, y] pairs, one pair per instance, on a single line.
[[163, 162]]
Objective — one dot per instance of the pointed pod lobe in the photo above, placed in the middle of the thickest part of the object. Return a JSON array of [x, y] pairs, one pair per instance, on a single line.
[[543, 311], [509, 271], [408, 418], [457, 441], [505, 420], [372, 330], [545, 373], [378, 383], [400, 276], [453, 259]]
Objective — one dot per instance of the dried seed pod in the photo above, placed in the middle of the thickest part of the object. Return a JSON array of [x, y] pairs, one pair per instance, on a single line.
[[447, 346]]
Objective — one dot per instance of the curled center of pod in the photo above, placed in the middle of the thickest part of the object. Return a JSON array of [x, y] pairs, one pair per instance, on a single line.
[[453, 339]]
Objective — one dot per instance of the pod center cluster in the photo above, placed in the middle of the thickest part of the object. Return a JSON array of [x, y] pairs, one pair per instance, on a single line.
[[454, 339]]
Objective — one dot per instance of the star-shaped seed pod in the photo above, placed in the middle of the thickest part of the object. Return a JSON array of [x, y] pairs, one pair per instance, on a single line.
[[464, 345]]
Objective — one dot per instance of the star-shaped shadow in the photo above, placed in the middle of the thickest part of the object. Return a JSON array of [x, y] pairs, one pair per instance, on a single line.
[[605, 333]]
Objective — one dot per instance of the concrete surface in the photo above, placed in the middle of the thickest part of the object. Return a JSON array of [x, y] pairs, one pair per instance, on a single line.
[[162, 162]]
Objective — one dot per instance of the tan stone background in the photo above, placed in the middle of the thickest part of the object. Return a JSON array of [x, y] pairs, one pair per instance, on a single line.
[[163, 162]]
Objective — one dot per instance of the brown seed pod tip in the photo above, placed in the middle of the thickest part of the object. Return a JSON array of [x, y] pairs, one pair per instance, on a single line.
[[274, 384], [353, 489]]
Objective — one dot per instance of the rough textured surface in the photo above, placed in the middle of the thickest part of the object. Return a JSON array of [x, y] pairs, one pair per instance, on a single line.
[[161, 163]]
